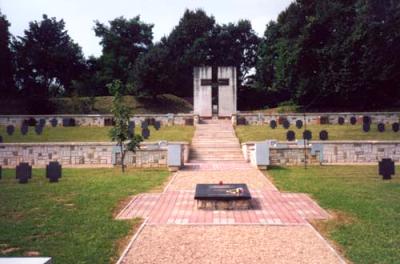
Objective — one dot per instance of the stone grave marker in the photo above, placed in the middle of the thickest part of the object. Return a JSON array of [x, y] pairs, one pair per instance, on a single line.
[[241, 121], [109, 122], [23, 172], [54, 122], [38, 129], [324, 120], [366, 120], [1, 172], [24, 129], [1, 139], [42, 122], [366, 127], [131, 128], [340, 120], [386, 168], [145, 124], [323, 135], [53, 171], [299, 124], [286, 124], [395, 127], [307, 135], [10, 130], [272, 124], [157, 125], [381, 127], [68, 122], [290, 135], [353, 120], [150, 121], [145, 133]]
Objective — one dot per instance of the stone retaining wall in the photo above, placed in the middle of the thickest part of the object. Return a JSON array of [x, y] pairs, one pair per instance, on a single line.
[[100, 120], [327, 152], [92, 154], [315, 118]]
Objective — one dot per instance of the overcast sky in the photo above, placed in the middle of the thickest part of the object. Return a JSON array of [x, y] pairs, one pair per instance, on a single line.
[[80, 14]]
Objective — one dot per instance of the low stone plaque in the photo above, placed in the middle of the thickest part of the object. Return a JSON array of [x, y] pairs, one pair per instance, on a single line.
[[340, 120], [366, 120], [109, 122], [68, 122], [38, 129], [353, 120], [42, 122], [223, 196], [157, 125], [1, 139], [286, 124], [366, 127], [144, 124]]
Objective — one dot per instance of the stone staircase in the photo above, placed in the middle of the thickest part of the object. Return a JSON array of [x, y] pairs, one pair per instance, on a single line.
[[215, 140]]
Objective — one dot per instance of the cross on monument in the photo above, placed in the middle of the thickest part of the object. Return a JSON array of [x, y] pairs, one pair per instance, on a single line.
[[214, 82]]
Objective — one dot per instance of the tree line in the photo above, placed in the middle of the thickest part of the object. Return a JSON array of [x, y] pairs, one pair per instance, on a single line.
[[317, 54]]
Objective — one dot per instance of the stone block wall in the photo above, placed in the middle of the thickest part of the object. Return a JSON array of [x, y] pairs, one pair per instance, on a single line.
[[329, 152], [83, 154], [99, 120], [316, 118]]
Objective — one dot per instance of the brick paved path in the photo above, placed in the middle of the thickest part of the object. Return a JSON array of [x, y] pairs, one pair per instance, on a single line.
[[216, 156]]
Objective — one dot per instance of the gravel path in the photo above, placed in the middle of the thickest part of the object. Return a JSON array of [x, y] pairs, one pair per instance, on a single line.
[[230, 244]]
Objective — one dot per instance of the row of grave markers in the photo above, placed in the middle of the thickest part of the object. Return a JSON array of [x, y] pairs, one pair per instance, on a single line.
[[307, 135], [24, 129], [23, 172]]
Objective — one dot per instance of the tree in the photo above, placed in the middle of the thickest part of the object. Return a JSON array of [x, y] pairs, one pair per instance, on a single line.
[[120, 131], [47, 59], [7, 85], [123, 41]]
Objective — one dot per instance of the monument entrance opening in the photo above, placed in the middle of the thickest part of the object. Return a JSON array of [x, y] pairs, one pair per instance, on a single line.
[[214, 91]]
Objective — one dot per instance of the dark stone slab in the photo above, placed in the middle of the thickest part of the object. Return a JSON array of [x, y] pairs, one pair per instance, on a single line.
[[38, 129], [157, 125], [24, 129], [23, 172], [53, 171], [307, 135], [189, 122], [366, 120], [395, 127], [109, 122], [353, 120], [1, 172], [290, 135], [30, 121], [68, 122], [54, 122], [381, 127], [1, 139], [366, 127], [324, 120], [286, 124], [340, 120], [144, 124], [323, 135], [221, 192], [10, 130], [272, 124], [145, 133], [386, 168], [299, 124], [42, 122], [241, 121]]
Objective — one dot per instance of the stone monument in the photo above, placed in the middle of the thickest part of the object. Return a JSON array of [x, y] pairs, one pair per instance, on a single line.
[[214, 91]]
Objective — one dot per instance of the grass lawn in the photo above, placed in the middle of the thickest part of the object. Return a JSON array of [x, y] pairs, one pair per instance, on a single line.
[[71, 221], [368, 224], [94, 134], [335, 132]]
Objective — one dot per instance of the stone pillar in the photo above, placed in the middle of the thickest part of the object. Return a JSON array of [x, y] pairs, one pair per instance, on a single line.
[[227, 104], [202, 93]]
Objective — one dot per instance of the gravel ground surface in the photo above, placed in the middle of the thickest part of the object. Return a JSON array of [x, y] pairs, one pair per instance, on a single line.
[[229, 244], [187, 180]]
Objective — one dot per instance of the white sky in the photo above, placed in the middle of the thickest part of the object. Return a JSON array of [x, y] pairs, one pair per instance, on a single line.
[[80, 14]]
